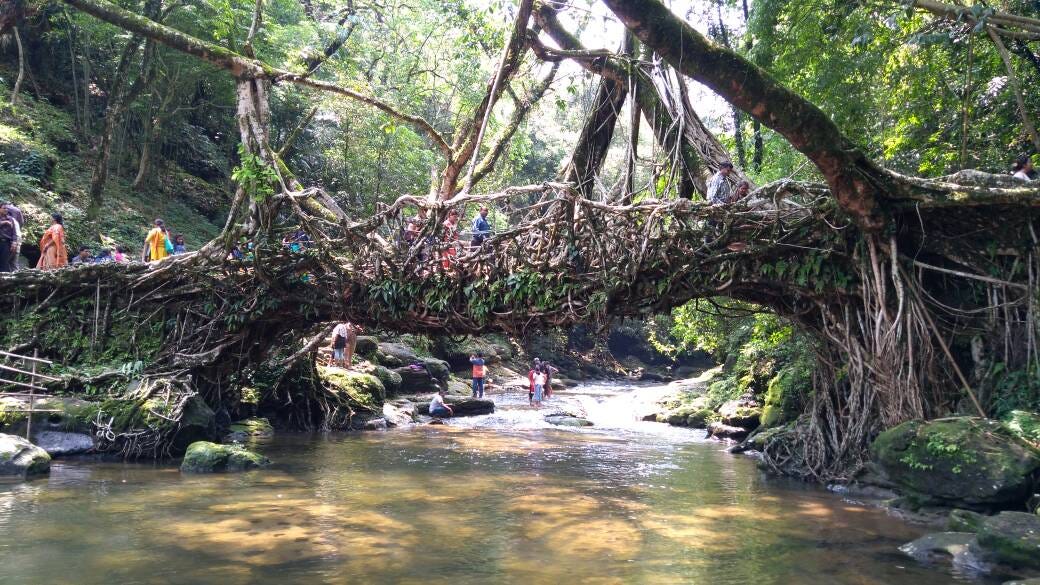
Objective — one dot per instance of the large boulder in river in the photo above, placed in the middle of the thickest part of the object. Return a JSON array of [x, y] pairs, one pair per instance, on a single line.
[[1012, 538], [198, 423], [395, 355], [363, 391], [57, 443], [206, 457], [418, 379], [391, 380], [20, 458], [461, 406], [962, 461]]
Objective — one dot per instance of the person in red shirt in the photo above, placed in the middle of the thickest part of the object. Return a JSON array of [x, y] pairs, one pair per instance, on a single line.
[[477, 361], [530, 380]]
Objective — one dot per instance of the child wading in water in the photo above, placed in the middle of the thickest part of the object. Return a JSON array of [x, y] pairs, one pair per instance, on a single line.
[[478, 374], [539, 386]]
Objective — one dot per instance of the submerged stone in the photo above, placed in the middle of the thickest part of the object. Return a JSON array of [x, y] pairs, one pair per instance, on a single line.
[[961, 547], [568, 421], [962, 461], [21, 459], [206, 457]]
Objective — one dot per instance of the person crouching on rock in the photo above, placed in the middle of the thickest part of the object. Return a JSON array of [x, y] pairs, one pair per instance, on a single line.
[[438, 409], [477, 361]]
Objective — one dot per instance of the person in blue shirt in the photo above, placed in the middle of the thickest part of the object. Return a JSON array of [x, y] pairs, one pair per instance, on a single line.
[[481, 227]]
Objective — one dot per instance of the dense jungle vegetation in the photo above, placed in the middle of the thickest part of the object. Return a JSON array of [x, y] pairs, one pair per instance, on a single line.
[[111, 127]]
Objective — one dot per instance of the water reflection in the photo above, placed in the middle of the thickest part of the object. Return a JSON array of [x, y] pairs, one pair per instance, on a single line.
[[450, 505]]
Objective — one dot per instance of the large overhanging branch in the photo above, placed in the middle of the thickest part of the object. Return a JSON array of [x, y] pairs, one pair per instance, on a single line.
[[241, 66], [1004, 23], [856, 181]]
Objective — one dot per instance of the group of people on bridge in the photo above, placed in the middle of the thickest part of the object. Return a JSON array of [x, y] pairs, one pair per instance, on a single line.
[[158, 244], [443, 250]]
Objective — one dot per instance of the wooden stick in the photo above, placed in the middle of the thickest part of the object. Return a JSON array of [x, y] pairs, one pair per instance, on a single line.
[[13, 369], [22, 384], [22, 357]]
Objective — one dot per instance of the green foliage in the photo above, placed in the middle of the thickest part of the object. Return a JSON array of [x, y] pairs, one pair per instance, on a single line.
[[1013, 389], [764, 355], [254, 175]]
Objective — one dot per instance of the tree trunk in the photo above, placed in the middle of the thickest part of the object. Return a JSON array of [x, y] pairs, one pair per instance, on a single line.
[[118, 102], [21, 68], [583, 168]]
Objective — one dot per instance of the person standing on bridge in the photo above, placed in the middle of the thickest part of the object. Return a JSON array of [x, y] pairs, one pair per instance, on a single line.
[[344, 340], [718, 186], [451, 239], [481, 227], [18, 218], [477, 361], [157, 244], [52, 245], [8, 239]]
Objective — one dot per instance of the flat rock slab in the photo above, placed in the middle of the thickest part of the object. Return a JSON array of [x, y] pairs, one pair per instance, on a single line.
[[961, 547], [462, 406]]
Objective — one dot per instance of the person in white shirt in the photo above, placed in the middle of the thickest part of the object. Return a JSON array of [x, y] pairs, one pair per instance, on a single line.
[[344, 340], [1024, 168], [438, 408], [539, 385]]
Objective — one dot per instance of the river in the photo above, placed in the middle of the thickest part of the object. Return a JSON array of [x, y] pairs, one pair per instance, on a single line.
[[503, 498]]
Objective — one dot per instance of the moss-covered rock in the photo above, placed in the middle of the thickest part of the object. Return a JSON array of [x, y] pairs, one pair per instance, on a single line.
[[1012, 538], [963, 461], [198, 423], [438, 369], [366, 346], [362, 390], [20, 458], [250, 428], [395, 355], [740, 413], [701, 418], [1025, 425], [964, 521], [206, 457], [391, 380]]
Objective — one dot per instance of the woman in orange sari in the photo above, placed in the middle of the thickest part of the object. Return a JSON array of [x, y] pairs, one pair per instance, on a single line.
[[52, 246]]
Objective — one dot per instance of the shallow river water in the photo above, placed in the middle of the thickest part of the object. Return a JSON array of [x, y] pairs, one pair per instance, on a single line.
[[496, 499]]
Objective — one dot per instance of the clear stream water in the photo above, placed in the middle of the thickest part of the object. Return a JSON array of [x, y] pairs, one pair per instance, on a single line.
[[503, 498]]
